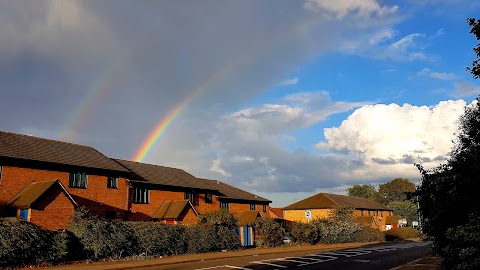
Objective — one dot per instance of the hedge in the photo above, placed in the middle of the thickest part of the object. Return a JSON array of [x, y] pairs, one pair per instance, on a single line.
[[401, 233]]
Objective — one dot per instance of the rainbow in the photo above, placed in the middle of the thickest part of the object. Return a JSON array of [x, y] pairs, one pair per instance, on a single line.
[[161, 126]]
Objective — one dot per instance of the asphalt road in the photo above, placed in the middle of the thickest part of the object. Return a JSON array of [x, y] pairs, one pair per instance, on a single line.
[[383, 256]]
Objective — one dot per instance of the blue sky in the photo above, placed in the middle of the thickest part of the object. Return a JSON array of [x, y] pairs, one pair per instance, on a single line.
[[285, 98]]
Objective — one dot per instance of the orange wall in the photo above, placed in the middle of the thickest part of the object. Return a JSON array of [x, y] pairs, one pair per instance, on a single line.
[[56, 215], [96, 197]]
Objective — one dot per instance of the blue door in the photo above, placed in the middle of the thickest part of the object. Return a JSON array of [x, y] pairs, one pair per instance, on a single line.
[[24, 214]]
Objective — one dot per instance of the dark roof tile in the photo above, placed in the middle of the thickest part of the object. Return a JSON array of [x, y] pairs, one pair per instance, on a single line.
[[19, 146], [329, 201], [234, 193]]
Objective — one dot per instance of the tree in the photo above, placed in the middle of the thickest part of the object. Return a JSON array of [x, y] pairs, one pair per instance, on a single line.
[[407, 209], [448, 195], [364, 191], [398, 189], [475, 25]]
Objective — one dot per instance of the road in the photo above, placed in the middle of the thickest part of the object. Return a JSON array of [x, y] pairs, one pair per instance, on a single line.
[[383, 256]]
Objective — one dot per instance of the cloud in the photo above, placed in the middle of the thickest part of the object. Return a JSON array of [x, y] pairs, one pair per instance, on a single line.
[[436, 75], [465, 89], [390, 138], [216, 168], [292, 81], [343, 8]]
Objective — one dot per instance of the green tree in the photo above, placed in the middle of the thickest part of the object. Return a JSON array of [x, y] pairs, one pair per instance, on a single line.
[[397, 190], [448, 195], [407, 209], [364, 191]]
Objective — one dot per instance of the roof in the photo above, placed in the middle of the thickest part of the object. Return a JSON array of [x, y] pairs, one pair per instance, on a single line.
[[172, 209], [19, 146], [162, 175], [277, 211], [31, 193], [329, 201], [246, 217], [234, 193]]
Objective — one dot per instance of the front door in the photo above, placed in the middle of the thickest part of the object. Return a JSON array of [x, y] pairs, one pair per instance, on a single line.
[[24, 214]]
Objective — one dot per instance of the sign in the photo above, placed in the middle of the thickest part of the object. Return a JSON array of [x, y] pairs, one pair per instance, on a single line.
[[414, 223], [308, 214], [404, 221]]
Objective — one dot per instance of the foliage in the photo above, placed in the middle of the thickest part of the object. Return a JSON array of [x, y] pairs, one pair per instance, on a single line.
[[448, 196], [368, 234], [224, 227], [102, 238], [401, 234], [364, 191], [407, 209], [304, 232], [398, 189], [221, 217], [268, 233], [156, 239], [475, 30], [23, 243]]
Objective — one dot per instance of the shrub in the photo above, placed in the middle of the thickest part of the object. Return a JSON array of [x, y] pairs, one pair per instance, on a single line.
[[224, 227], [23, 243], [102, 238], [268, 233], [304, 232], [401, 234], [369, 234]]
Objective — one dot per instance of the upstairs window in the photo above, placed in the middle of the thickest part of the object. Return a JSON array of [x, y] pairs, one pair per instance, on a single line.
[[78, 180], [264, 208], [112, 182], [208, 198], [141, 195], [225, 205], [190, 196], [252, 206]]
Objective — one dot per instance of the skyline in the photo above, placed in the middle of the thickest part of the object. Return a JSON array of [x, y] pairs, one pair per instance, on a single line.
[[301, 97]]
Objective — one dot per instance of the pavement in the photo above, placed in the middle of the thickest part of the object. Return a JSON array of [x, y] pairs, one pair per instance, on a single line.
[[428, 263]]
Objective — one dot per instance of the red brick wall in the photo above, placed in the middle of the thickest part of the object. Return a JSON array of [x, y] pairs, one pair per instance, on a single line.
[[96, 197], [239, 207], [157, 197], [188, 217], [55, 212]]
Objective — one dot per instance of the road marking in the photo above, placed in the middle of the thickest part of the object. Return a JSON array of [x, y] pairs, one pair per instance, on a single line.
[[271, 264], [362, 261], [223, 266]]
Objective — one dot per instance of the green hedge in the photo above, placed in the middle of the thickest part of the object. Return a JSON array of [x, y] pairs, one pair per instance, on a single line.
[[23, 243], [268, 233], [401, 233]]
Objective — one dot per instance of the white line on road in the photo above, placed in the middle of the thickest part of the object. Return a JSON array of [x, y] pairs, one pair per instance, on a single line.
[[271, 264]]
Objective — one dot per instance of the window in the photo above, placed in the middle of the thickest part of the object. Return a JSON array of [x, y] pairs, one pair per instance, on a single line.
[[361, 213], [112, 182], [190, 196], [225, 205], [252, 206], [78, 180], [141, 195], [208, 198], [264, 208]]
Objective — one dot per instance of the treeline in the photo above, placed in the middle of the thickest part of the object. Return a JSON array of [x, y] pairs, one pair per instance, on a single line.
[[398, 194]]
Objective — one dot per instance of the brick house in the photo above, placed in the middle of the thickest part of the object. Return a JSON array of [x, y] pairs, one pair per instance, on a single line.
[[237, 200], [153, 185], [322, 205], [86, 176]]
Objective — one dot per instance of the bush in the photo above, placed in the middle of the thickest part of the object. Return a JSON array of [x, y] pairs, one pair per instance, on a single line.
[[23, 243], [268, 233], [304, 233], [102, 238], [224, 227], [369, 234], [156, 239], [401, 234]]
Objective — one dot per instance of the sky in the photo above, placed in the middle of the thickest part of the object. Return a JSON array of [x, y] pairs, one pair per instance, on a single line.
[[284, 99]]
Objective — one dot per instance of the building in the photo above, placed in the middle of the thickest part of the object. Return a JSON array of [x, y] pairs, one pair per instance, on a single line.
[[152, 186], [322, 205], [237, 200], [41, 176], [44, 180]]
